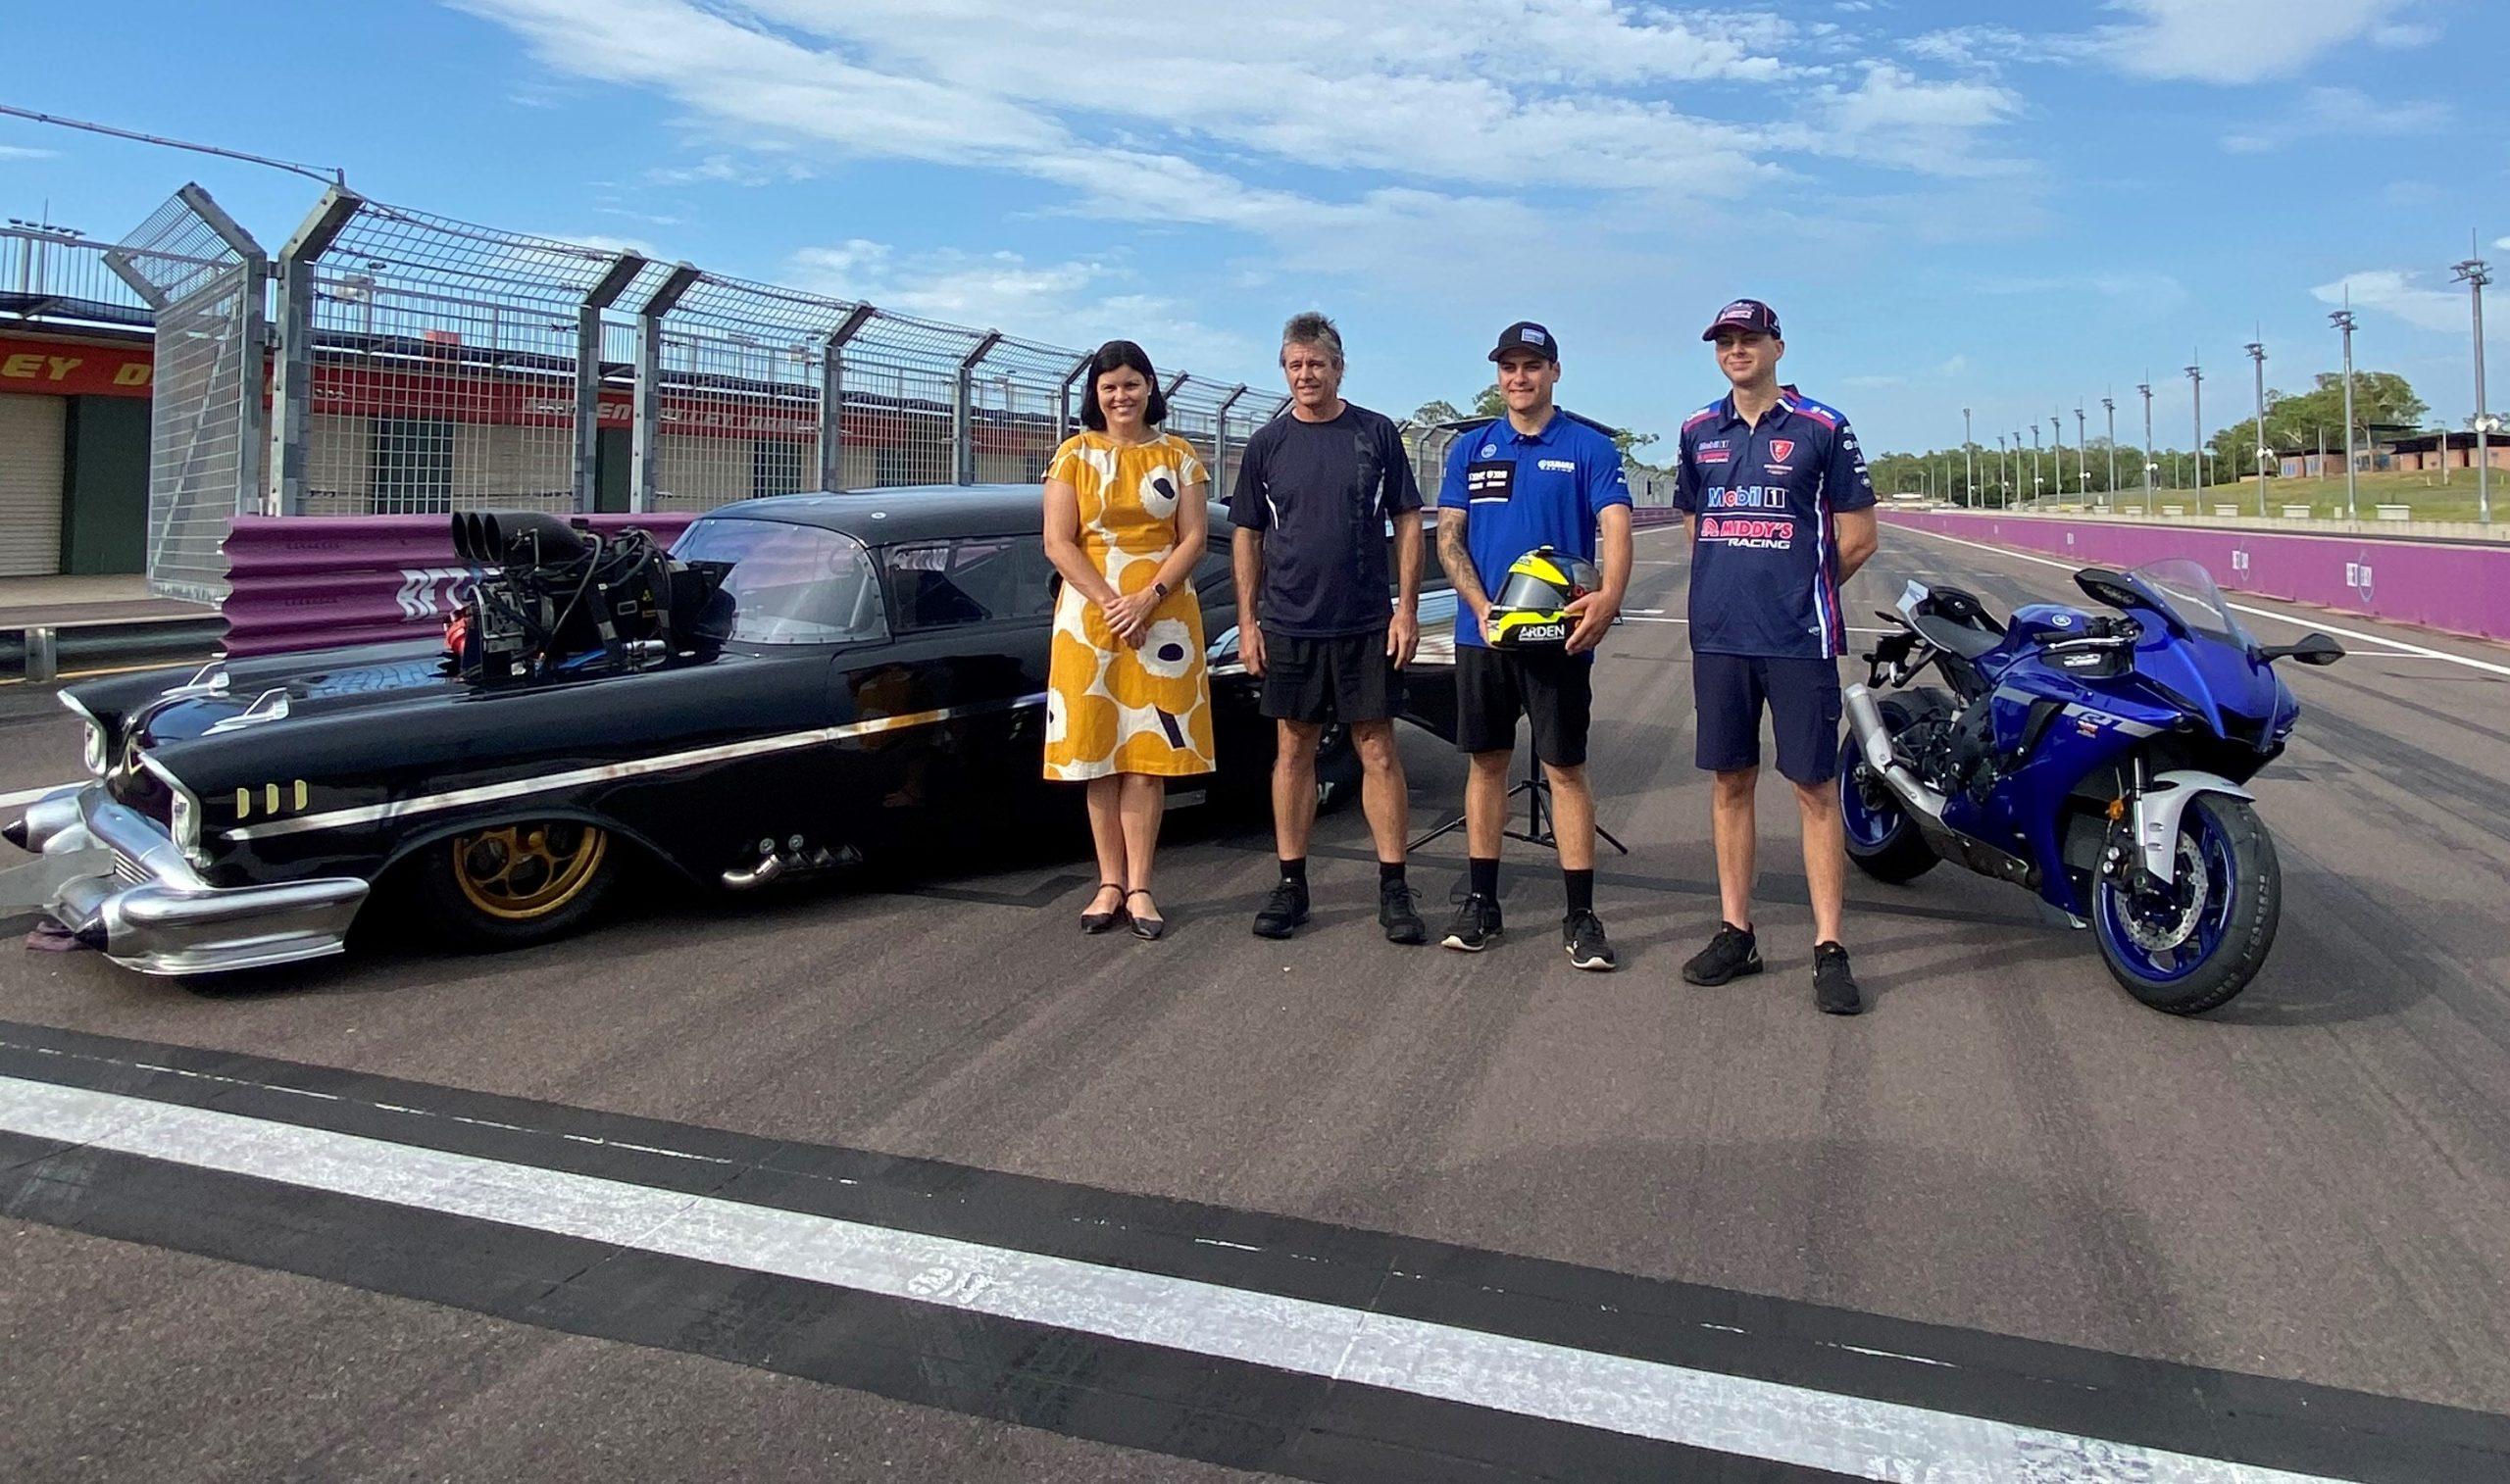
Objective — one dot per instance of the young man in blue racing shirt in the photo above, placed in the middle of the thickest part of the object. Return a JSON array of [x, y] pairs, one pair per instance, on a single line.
[[1533, 478], [1781, 514]]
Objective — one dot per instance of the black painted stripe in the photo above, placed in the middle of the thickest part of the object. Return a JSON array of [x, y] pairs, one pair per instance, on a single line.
[[2162, 1405]]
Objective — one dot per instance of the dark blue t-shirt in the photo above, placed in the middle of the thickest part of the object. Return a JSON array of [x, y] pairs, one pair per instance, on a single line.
[[1522, 490], [1765, 565], [1322, 494]]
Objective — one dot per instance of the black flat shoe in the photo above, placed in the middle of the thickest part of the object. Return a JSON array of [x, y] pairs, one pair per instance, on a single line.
[[1100, 921], [1147, 928]]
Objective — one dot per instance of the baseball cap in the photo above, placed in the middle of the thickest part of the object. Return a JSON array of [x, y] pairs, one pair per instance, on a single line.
[[1524, 334], [1744, 314]]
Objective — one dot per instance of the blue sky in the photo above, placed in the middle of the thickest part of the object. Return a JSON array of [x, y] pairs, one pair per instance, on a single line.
[[2011, 208]]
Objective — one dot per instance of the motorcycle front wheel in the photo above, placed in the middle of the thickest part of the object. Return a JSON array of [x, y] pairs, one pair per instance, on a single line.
[[2189, 947]]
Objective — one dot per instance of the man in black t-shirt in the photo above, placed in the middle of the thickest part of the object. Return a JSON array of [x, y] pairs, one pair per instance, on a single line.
[[1319, 489]]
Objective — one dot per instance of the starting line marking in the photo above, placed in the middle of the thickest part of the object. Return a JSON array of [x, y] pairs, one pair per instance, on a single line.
[[1705, 1409]]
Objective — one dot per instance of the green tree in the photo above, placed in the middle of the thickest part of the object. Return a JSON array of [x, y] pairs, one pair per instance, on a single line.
[[1432, 413], [1491, 404], [2305, 421]]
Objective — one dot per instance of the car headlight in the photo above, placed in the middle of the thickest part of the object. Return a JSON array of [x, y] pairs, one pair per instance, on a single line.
[[91, 747], [183, 818]]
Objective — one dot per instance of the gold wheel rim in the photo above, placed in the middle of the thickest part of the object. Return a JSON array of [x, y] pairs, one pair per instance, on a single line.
[[519, 872]]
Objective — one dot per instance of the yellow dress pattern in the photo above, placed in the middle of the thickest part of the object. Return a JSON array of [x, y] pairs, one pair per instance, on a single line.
[[1111, 708]]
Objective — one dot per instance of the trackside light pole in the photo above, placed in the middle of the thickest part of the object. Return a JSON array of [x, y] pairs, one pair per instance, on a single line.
[[2474, 272], [2342, 319], [2257, 354], [2145, 386], [2109, 404], [2196, 410], [1968, 460]]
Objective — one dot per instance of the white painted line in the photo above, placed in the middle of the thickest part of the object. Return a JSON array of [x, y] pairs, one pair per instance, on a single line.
[[2400, 645], [30, 795], [1703, 1408], [1642, 615]]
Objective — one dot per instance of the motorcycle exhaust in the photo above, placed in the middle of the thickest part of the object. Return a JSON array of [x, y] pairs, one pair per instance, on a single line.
[[1865, 721]]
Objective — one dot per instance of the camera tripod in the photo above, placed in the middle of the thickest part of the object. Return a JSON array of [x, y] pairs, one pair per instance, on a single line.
[[1537, 831]]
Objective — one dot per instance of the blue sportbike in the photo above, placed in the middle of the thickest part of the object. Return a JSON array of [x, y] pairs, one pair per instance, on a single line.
[[2097, 758]]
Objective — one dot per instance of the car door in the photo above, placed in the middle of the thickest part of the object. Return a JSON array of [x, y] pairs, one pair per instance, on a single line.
[[964, 679]]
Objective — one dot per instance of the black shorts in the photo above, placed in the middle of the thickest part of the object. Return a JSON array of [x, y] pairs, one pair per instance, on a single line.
[[1803, 701], [1551, 689], [1342, 679]]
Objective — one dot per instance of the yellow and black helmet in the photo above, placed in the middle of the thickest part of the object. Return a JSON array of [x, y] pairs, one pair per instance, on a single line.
[[1530, 610]]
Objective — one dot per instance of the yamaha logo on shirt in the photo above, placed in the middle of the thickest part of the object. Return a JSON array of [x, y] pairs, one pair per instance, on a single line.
[[1557, 466]]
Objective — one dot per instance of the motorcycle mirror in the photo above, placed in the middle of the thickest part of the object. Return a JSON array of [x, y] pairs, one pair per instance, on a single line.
[[2314, 649]]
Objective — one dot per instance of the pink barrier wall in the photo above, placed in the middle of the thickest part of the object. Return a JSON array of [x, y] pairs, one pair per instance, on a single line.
[[2459, 588], [323, 581]]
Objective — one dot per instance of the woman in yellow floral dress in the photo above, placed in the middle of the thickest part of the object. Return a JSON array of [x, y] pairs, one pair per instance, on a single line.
[[1127, 703]]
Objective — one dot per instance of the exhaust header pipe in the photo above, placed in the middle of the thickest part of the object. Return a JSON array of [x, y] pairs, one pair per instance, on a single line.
[[1865, 721]]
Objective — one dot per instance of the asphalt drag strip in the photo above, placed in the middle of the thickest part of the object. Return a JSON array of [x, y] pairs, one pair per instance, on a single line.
[[1248, 1340]]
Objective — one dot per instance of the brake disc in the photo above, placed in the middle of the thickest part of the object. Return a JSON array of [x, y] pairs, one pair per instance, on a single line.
[[2154, 930]]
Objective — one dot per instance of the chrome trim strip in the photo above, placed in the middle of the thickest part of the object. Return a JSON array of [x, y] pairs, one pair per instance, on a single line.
[[697, 756]]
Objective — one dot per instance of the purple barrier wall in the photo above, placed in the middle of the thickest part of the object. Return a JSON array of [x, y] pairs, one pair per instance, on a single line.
[[2462, 589], [323, 581]]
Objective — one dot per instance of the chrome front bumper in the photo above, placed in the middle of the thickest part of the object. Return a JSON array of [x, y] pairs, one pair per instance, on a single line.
[[147, 908]]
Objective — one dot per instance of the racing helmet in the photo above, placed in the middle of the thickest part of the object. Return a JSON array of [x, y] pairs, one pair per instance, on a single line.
[[1530, 610]]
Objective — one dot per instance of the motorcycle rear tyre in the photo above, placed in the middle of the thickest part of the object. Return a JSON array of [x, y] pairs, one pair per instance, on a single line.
[[1901, 854]]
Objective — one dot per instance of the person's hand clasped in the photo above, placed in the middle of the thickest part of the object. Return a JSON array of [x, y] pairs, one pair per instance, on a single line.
[[1128, 614], [1402, 638], [1594, 614]]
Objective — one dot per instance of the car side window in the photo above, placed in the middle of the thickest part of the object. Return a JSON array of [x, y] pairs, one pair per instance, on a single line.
[[971, 579], [1215, 579]]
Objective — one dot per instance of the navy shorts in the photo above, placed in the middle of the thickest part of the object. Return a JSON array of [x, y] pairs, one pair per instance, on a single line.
[[1803, 701]]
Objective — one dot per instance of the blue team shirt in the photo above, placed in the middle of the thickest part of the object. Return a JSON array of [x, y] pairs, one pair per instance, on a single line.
[[1522, 490], [1765, 565]]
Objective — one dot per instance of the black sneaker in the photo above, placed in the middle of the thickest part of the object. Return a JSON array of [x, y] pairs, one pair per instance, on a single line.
[[1283, 911], [1732, 954], [1834, 987], [1583, 934], [1398, 912], [1475, 925]]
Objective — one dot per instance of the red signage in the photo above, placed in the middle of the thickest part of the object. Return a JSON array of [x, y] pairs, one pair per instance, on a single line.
[[66, 369]]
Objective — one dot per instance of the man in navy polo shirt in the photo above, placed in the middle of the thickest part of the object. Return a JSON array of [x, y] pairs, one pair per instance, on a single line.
[[1317, 491], [1534, 477], [1781, 514]]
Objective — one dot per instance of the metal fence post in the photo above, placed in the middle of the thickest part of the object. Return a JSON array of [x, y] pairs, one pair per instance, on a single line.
[[962, 444], [1220, 435], [644, 468], [1063, 400], [832, 397], [605, 292], [292, 390]]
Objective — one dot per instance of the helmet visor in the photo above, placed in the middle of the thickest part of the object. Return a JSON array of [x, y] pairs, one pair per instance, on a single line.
[[1530, 594]]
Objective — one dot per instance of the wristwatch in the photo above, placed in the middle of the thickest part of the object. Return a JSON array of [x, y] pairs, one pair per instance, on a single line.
[[1159, 587]]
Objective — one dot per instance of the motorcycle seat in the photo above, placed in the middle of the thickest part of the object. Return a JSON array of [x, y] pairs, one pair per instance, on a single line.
[[1959, 638]]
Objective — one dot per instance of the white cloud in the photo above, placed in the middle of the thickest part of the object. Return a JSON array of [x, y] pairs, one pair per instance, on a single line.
[[2235, 40], [2339, 111], [1371, 105], [1077, 302], [27, 152], [2400, 294]]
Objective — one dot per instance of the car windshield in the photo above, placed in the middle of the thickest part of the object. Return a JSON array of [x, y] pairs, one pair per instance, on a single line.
[[2187, 590], [789, 584]]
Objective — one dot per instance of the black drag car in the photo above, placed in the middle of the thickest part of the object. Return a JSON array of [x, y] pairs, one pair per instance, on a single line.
[[873, 668]]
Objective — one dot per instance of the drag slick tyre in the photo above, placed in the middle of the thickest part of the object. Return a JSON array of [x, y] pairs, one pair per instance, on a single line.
[[2189, 948], [1882, 839], [511, 885]]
